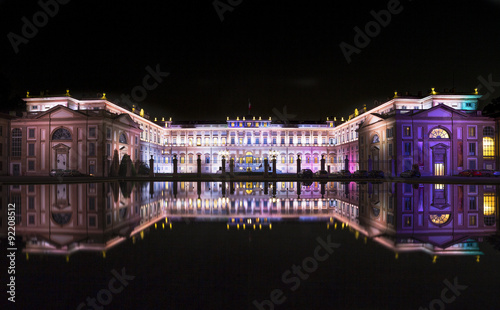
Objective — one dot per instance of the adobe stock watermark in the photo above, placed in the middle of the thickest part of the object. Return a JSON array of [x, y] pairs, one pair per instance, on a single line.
[[105, 296], [372, 29], [222, 7], [296, 274], [489, 84], [149, 82], [40, 19], [446, 297], [283, 116]]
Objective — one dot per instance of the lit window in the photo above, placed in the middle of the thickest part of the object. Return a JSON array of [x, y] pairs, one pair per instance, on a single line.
[[488, 142], [438, 133]]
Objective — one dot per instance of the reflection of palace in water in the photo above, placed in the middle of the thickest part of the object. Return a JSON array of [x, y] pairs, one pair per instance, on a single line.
[[434, 218]]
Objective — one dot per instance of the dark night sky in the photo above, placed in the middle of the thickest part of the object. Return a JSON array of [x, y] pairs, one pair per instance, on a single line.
[[277, 53]]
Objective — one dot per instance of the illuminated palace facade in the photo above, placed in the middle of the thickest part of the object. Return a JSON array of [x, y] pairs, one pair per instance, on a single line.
[[441, 133]]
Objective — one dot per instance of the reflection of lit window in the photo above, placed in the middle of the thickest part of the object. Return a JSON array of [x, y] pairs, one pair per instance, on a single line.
[[472, 220], [407, 221], [438, 186], [438, 133], [489, 204], [439, 218]]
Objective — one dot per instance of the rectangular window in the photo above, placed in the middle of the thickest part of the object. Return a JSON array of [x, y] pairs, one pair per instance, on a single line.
[[108, 133], [299, 141], [91, 149], [31, 202], [31, 133], [407, 149], [390, 149], [407, 164], [31, 149], [92, 132], [136, 140], [249, 141], [232, 141], [472, 148], [407, 203], [472, 164], [406, 131], [108, 149], [389, 132], [16, 142], [91, 169], [274, 141], [282, 141], [31, 165], [207, 159], [92, 221], [472, 203], [291, 141], [91, 203], [257, 141], [472, 132]]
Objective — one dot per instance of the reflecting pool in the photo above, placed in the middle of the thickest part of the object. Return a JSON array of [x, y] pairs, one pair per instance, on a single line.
[[255, 245]]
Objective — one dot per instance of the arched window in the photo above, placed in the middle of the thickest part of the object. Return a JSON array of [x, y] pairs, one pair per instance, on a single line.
[[61, 134], [17, 136], [439, 133], [488, 142], [375, 139], [123, 138]]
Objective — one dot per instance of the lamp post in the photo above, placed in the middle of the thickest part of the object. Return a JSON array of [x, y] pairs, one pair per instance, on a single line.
[[273, 154], [223, 154]]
